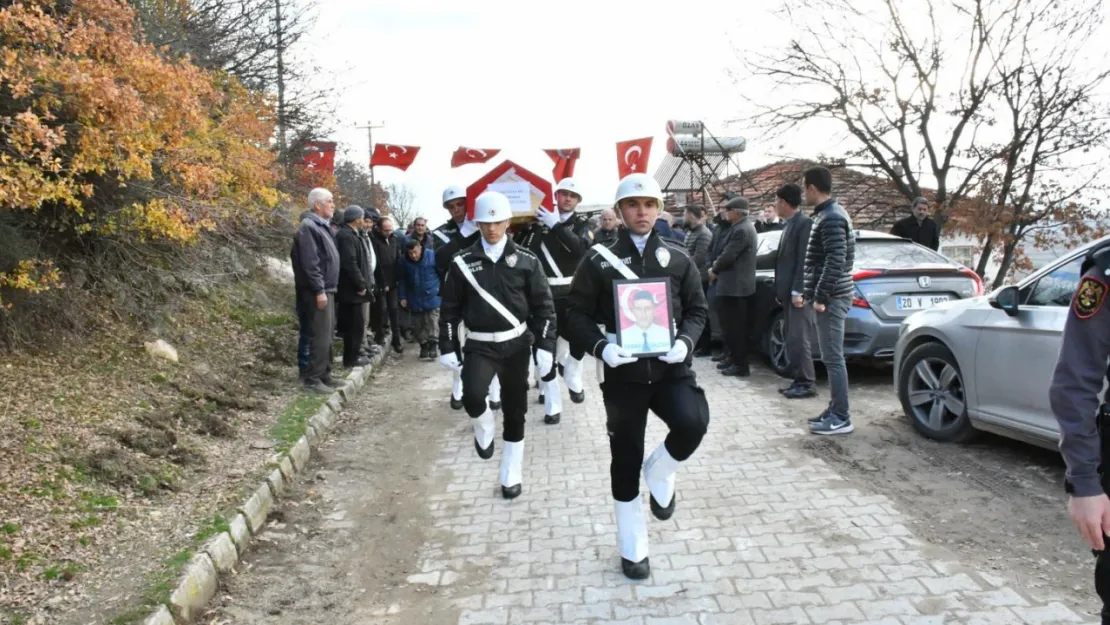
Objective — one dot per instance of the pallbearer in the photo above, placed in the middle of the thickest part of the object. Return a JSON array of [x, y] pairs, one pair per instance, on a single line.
[[499, 291], [632, 385], [560, 239], [450, 238]]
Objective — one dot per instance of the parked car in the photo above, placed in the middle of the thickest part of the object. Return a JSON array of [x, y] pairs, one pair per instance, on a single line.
[[986, 363], [894, 278]]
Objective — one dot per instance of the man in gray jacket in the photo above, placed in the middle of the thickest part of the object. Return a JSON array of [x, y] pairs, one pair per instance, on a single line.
[[316, 275], [829, 288], [734, 274], [698, 240], [790, 261]]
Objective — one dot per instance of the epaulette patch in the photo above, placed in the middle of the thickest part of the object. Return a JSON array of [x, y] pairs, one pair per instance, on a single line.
[[1088, 297]]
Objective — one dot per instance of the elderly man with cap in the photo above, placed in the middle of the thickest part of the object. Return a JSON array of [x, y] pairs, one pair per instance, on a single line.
[[631, 386], [919, 227], [500, 292], [356, 285], [733, 273], [560, 239]]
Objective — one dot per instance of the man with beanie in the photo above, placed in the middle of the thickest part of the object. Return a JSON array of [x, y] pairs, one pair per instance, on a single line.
[[919, 227], [734, 274], [828, 287], [790, 261], [356, 286]]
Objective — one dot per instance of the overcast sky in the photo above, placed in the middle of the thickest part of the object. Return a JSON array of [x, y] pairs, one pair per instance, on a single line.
[[502, 74]]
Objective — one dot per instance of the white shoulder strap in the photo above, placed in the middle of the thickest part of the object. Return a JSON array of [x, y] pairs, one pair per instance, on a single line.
[[550, 260], [491, 300], [615, 262], [442, 237]]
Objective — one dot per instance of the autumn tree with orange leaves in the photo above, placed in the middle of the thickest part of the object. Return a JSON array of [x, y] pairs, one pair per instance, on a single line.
[[103, 137]]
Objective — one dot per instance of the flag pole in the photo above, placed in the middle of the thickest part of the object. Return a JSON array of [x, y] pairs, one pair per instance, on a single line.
[[370, 138]]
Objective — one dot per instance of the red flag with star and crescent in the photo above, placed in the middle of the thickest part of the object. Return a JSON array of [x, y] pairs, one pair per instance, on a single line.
[[389, 155], [564, 162], [632, 156], [319, 156], [466, 156]]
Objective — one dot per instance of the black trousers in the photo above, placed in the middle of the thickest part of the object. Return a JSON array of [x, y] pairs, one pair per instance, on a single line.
[[736, 317], [352, 320], [679, 402], [706, 337], [1102, 581], [715, 302], [386, 304], [561, 304], [512, 370]]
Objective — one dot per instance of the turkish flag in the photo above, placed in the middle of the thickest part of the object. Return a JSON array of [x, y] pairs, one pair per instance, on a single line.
[[399, 156], [632, 156], [318, 156], [564, 162], [466, 156]]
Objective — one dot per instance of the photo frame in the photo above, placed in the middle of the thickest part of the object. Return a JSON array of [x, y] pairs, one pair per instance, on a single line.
[[645, 321]]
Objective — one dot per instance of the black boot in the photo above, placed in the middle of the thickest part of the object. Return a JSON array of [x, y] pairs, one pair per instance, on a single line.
[[659, 511], [456, 404], [552, 419], [578, 397], [636, 570], [510, 492], [484, 454]]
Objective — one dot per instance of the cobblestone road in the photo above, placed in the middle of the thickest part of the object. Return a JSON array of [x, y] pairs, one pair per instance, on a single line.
[[763, 534]]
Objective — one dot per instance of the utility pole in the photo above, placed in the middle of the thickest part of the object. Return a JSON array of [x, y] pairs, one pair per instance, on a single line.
[[280, 85], [370, 137]]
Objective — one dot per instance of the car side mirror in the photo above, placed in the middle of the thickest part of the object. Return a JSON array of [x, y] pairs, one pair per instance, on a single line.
[[1005, 299]]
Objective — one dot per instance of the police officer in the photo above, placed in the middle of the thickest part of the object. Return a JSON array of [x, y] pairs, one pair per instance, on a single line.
[[500, 292], [450, 238], [560, 240], [632, 386], [1076, 383]]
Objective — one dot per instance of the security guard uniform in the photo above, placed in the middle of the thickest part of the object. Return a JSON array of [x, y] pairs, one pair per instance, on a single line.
[[500, 292], [1074, 395], [448, 240], [560, 247], [631, 387]]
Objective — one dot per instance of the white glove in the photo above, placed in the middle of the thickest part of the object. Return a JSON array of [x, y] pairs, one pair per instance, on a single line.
[[549, 218], [451, 361], [677, 353], [614, 355], [544, 361]]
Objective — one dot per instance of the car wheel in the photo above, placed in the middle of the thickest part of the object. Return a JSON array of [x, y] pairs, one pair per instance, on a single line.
[[931, 389], [775, 345]]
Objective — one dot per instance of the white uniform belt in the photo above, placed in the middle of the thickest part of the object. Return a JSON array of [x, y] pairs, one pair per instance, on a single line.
[[497, 337], [560, 281]]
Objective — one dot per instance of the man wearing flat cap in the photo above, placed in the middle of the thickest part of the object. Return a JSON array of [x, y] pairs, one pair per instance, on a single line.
[[919, 227], [356, 285], [733, 271]]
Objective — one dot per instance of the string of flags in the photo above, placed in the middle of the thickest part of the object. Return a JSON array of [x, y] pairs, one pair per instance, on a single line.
[[632, 157]]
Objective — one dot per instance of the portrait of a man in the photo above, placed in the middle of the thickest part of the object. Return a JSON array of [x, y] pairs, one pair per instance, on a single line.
[[646, 319]]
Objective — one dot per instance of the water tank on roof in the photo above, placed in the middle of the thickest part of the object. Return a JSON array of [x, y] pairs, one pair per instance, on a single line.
[[706, 145], [684, 127]]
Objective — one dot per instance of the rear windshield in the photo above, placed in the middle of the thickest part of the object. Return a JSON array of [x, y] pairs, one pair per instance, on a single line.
[[872, 254]]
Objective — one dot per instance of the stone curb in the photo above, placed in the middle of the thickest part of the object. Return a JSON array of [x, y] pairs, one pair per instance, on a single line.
[[200, 581]]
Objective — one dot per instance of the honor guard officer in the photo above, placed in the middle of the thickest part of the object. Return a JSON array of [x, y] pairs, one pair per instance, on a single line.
[[1074, 396], [500, 292], [560, 239], [631, 387], [450, 238]]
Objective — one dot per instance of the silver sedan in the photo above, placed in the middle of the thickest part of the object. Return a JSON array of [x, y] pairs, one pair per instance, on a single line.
[[985, 363]]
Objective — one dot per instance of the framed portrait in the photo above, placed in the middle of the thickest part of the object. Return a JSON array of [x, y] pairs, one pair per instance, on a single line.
[[644, 317]]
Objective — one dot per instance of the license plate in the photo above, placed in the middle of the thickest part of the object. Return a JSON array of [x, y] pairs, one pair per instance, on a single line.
[[920, 302]]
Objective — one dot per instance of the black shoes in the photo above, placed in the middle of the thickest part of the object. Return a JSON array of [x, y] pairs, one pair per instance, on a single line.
[[361, 362], [736, 371], [724, 364], [578, 397], [510, 492], [801, 391], [636, 570], [720, 357], [484, 454], [552, 419], [456, 404], [400, 349], [540, 399], [495, 405], [659, 511]]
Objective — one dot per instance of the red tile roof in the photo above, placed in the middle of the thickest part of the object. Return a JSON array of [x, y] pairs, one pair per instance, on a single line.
[[872, 201]]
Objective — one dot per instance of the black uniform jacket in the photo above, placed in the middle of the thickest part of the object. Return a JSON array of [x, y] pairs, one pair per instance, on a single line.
[[517, 281], [567, 242], [446, 252], [1080, 371], [590, 303]]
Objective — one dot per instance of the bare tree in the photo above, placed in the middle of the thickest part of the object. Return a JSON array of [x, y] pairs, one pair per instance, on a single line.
[[400, 204], [352, 182]]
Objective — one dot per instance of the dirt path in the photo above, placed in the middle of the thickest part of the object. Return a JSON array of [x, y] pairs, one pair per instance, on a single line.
[[342, 544], [998, 503]]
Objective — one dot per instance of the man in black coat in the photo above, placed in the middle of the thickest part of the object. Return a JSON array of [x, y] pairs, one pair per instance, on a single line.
[[919, 227], [356, 286], [733, 275], [387, 247], [790, 260]]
